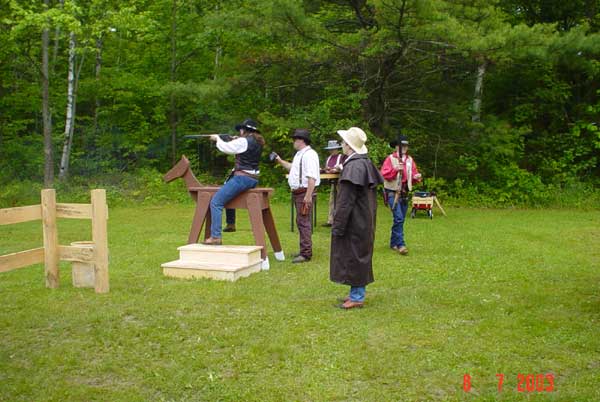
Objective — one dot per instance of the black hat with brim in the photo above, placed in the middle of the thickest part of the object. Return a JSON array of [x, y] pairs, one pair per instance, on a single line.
[[302, 133], [249, 125], [401, 140]]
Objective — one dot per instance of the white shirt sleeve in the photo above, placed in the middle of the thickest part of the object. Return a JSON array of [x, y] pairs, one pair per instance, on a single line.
[[233, 147], [310, 166]]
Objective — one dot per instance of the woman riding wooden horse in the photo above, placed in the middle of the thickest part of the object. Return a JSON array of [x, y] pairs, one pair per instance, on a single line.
[[247, 149]]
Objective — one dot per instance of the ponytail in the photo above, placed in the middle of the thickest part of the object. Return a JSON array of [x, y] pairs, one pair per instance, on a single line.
[[259, 138]]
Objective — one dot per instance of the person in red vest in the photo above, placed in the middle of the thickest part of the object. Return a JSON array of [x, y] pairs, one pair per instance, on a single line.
[[399, 172]]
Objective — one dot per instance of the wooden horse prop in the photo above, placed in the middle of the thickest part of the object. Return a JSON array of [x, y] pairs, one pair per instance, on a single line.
[[182, 170], [256, 201]]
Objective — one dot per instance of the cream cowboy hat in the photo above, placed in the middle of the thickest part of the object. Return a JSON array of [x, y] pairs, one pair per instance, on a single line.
[[355, 138]]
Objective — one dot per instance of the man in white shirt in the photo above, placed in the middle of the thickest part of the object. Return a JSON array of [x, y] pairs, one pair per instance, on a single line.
[[303, 179]]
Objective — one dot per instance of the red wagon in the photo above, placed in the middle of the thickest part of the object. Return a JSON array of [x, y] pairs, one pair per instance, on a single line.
[[422, 201]]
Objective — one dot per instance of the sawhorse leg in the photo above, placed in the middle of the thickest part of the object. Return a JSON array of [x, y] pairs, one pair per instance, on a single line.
[[256, 221], [271, 229], [200, 215], [208, 222]]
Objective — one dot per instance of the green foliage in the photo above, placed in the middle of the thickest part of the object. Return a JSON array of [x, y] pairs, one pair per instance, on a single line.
[[172, 68], [144, 186]]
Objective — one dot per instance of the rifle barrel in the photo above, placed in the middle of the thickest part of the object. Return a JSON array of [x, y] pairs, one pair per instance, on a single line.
[[224, 137]]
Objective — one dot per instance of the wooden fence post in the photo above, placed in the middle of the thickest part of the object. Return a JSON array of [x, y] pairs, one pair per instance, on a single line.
[[100, 239], [51, 252]]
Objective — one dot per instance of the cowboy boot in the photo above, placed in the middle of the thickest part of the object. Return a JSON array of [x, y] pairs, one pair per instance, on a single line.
[[212, 241], [349, 304]]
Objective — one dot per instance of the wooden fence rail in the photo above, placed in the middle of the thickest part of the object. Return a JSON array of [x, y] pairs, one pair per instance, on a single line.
[[52, 252]]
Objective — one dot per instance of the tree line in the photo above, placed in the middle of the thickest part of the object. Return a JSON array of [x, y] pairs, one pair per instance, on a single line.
[[496, 96]]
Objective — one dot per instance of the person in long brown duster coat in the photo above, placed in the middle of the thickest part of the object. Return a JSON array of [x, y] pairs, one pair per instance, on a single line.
[[353, 229]]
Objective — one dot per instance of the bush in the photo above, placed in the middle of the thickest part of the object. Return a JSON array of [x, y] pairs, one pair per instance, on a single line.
[[144, 186], [517, 188]]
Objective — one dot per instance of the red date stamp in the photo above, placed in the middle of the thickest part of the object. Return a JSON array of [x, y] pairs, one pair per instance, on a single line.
[[525, 382]]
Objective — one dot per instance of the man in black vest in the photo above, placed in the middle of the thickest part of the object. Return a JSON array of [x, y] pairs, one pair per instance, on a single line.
[[247, 149]]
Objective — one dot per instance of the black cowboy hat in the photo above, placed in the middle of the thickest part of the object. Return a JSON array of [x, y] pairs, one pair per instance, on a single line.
[[400, 140], [302, 133], [249, 125]]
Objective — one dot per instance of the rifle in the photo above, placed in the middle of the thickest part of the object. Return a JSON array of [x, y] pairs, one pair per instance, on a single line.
[[224, 137], [399, 190]]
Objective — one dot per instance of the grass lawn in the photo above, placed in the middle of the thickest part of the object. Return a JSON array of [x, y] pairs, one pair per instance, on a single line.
[[482, 292]]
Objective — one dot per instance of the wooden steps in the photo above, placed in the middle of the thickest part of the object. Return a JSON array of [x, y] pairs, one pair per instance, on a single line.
[[227, 263]]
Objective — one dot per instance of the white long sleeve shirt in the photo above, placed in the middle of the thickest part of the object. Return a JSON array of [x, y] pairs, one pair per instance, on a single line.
[[233, 147], [310, 168]]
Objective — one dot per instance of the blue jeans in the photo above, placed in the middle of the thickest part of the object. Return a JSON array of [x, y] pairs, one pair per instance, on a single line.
[[233, 187], [399, 213], [357, 293]]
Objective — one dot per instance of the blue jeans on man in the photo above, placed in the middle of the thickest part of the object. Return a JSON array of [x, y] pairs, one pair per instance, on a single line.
[[399, 212], [357, 293], [233, 187]]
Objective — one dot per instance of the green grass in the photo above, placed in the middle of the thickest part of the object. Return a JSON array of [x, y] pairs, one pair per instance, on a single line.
[[482, 292]]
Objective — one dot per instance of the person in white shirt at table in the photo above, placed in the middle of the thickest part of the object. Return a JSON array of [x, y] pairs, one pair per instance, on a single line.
[[304, 178]]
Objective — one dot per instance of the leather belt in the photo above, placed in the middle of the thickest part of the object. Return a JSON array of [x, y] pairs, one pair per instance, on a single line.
[[242, 173], [300, 190]]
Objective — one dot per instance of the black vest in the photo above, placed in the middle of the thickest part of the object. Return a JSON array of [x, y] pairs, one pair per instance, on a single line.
[[249, 159]]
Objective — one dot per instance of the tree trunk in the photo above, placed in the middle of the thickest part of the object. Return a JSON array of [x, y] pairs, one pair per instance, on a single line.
[[477, 96], [46, 117], [70, 119], [376, 100], [56, 40], [218, 53], [591, 10], [172, 103]]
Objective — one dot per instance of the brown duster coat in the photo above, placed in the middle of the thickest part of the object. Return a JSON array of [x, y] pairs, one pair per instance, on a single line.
[[353, 230]]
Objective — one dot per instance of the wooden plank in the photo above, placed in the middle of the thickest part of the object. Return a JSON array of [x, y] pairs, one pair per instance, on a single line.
[[200, 253], [426, 201], [224, 249], [8, 216], [100, 239], [74, 211], [439, 206], [211, 189], [185, 270], [21, 259], [51, 253], [73, 253]]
